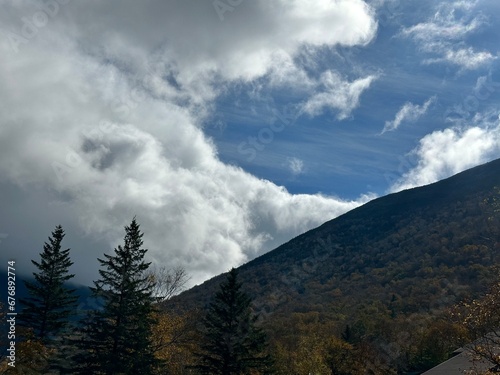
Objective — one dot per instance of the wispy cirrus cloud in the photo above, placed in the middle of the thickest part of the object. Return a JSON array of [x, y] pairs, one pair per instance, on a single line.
[[465, 58], [444, 35], [295, 165], [409, 112], [445, 24]]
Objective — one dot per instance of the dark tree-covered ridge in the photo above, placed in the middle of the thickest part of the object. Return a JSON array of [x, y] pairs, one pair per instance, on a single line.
[[404, 247]]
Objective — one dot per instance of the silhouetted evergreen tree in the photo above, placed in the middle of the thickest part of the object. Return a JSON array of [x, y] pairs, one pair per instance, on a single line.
[[232, 344], [117, 338], [50, 303]]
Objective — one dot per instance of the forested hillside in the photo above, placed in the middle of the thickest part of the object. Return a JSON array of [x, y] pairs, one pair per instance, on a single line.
[[409, 248], [384, 271]]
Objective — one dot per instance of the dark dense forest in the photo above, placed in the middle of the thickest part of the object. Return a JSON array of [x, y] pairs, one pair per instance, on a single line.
[[393, 287]]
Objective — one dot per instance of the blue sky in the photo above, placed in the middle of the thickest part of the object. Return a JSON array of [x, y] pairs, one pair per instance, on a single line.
[[229, 127], [351, 156]]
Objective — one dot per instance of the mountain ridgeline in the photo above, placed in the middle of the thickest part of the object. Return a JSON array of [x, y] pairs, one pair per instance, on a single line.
[[413, 252]]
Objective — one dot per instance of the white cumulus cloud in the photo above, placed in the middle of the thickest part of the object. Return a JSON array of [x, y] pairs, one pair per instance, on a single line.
[[337, 94], [446, 152], [103, 107]]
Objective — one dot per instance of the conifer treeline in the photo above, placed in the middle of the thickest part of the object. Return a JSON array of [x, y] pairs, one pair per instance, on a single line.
[[128, 333]]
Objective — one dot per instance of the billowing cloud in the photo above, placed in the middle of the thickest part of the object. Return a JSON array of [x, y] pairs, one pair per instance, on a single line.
[[338, 95], [444, 35], [409, 112], [446, 152], [192, 37], [103, 105]]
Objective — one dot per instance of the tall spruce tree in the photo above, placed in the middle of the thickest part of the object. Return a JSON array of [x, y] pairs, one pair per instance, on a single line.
[[232, 344], [50, 303], [117, 338]]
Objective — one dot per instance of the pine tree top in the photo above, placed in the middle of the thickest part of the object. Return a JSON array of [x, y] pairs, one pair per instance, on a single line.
[[232, 344], [49, 303]]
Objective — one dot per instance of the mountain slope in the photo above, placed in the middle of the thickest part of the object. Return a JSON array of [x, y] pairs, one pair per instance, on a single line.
[[416, 250]]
